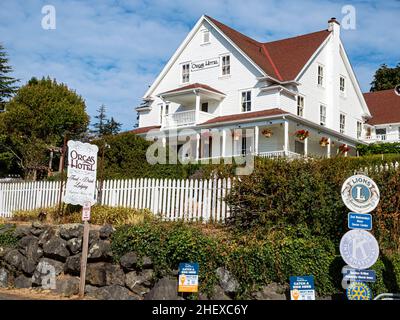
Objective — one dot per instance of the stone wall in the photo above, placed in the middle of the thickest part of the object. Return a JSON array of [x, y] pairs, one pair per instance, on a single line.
[[48, 257]]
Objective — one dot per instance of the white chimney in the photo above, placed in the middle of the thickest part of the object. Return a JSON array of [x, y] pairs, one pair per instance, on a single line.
[[334, 26]]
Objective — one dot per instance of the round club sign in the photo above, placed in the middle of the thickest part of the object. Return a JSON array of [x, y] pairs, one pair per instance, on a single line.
[[358, 291], [359, 249], [360, 194]]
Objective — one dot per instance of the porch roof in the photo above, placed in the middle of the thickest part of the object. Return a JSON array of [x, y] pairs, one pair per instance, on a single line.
[[190, 87], [144, 129], [247, 115]]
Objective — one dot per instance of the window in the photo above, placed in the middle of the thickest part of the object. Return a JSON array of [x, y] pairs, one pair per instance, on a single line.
[[204, 107], [162, 110], [185, 72], [381, 134], [359, 129], [206, 36], [342, 87], [226, 65], [300, 106], [244, 146], [322, 115], [342, 122], [246, 101], [320, 75]]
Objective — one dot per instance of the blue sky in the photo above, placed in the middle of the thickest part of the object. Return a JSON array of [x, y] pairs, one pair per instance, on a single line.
[[111, 51]]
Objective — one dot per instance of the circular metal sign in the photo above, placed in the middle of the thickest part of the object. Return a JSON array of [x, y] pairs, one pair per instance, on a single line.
[[358, 291], [360, 194], [359, 249]]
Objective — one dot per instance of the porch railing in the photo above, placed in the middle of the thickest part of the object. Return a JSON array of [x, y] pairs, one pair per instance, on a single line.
[[389, 137], [185, 118]]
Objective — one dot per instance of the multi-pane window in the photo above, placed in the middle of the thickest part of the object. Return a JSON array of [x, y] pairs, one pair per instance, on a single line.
[[342, 82], [342, 123], [246, 101], [320, 75], [322, 115], [226, 65], [300, 106], [185, 72], [206, 36], [381, 133], [162, 111], [359, 129]]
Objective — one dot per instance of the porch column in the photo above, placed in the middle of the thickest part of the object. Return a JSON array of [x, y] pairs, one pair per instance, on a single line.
[[197, 146], [328, 148], [345, 154], [164, 142], [305, 147], [256, 131], [197, 116], [223, 149], [163, 122], [286, 133]]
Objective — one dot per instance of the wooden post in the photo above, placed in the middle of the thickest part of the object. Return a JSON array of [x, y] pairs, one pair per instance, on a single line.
[[62, 174], [85, 248]]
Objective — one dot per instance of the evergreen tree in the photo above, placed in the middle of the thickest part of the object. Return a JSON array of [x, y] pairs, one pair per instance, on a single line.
[[7, 88], [105, 126], [112, 126]]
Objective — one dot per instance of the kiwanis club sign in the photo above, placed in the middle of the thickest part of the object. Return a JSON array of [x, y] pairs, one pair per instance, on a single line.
[[82, 166]]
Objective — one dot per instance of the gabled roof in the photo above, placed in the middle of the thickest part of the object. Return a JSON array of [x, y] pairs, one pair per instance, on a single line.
[[247, 115], [144, 129], [384, 106], [193, 86], [282, 59]]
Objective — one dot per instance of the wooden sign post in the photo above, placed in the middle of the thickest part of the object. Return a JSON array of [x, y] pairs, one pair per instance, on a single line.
[[80, 190]]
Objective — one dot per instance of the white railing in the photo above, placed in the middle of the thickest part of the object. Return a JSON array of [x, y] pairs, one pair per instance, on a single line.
[[389, 137], [185, 118], [172, 199], [279, 154]]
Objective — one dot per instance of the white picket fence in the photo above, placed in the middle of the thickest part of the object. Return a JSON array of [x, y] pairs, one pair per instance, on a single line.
[[383, 167], [190, 200]]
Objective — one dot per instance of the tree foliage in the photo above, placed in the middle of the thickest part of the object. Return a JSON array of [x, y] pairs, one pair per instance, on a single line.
[[7, 83], [38, 117], [105, 126], [386, 78]]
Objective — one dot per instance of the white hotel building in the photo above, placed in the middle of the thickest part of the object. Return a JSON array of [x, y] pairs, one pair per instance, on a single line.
[[221, 80]]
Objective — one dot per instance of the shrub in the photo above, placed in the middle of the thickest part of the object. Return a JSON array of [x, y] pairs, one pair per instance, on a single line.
[[7, 237], [379, 148]]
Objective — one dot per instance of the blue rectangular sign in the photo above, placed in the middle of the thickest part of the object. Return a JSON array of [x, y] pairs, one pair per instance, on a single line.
[[360, 275], [302, 288], [359, 221]]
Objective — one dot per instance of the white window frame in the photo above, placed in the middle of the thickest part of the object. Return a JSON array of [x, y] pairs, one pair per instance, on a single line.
[[359, 129], [342, 92], [188, 72], [342, 124], [222, 56], [300, 98], [320, 76], [203, 34], [322, 115], [245, 101]]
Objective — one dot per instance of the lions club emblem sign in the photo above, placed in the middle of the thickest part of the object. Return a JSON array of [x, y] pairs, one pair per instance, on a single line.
[[360, 194], [359, 249]]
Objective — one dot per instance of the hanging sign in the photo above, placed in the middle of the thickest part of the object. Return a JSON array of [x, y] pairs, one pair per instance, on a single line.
[[188, 280], [359, 249], [360, 194], [360, 275], [86, 211], [302, 288], [82, 166]]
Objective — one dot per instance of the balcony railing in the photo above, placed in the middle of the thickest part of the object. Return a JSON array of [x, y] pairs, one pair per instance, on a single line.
[[185, 118], [389, 137]]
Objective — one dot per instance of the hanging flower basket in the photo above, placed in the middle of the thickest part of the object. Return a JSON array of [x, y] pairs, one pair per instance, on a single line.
[[267, 133], [302, 134], [323, 142], [343, 149]]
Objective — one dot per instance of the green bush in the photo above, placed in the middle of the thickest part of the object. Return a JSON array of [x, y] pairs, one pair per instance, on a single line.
[[7, 238], [379, 148]]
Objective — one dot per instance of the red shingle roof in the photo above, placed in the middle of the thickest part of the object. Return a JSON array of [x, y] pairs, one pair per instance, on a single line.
[[384, 106], [247, 115], [193, 86], [144, 129], [282, 59]]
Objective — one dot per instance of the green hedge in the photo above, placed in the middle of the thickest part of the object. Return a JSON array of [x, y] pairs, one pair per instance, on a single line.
[[7, 238], [254, 262], [379, 148]]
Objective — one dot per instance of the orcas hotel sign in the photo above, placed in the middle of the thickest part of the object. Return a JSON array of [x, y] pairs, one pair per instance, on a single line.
[[204, 64]]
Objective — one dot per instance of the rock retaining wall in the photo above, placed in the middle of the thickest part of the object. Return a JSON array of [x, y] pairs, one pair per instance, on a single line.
[[48, 257]]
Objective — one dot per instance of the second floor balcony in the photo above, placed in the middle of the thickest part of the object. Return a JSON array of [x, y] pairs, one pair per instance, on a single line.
[[197, 104], [388, 137]]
